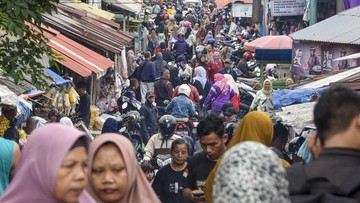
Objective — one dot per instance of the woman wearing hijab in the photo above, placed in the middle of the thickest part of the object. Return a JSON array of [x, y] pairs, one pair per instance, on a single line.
[[200, 36], [131, 62], [262, 96], [52, 167], [110, 126], [201, 84], [214, 65], [255, 126], [160, 64], [207, 37], [219, 94], [250, 172], [114, 174], [235, 100], [66, 121]]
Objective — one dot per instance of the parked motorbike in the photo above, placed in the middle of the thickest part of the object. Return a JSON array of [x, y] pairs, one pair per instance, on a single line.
[[126, 105], [130, 128], [79, 124]]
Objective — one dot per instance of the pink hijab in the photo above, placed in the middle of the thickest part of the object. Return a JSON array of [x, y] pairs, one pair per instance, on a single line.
[[221, 83], [139, 189], [216, 54], [41, 158]]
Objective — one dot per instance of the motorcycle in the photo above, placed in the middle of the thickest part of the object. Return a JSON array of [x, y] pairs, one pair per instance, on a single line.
[[130, 128], [79, 124], [126, 105]]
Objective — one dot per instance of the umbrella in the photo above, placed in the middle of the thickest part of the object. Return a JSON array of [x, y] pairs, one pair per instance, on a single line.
[[270, 42]]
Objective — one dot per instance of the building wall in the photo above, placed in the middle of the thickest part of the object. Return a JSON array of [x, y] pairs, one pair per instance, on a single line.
[[315, 58]]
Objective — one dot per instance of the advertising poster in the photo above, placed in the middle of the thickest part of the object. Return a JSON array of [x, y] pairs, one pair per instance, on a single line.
[[313, 58], [241, 10]]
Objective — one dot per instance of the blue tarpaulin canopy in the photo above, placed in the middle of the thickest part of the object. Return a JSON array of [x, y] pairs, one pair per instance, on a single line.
[[283, 98], [57, 78]]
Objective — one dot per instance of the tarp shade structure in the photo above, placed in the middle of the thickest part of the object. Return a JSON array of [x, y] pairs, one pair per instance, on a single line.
[[7, 96], [58, 80], [32, 93], [222, 3], [270, 42], [75, 56], [128, 5], [275, 55], [90, 9]]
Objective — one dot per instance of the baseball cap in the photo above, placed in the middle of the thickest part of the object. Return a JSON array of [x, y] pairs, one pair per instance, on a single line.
[[230, 111], [149, 94]]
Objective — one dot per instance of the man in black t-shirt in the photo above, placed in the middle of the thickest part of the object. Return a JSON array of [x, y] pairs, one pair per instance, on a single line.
[[83, 108], [212, 139]]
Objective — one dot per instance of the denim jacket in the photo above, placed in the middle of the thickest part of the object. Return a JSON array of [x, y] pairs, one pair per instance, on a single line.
[[181, 107]]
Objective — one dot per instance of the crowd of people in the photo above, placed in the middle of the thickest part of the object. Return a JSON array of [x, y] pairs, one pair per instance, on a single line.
[[61, 164], [228, 158]]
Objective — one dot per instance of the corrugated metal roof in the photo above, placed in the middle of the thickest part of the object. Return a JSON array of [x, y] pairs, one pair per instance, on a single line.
[[343, 28], [88, 30], [76, 57], [88, 8], [341, 76]]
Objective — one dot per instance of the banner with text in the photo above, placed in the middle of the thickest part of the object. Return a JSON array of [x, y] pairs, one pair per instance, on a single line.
[[287, 7]]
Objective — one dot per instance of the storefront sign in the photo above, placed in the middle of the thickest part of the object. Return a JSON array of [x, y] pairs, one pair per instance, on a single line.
[[241, 10], [287, 7]]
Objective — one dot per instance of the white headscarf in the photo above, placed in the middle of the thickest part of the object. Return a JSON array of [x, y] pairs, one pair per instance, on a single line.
[[230, 81], [200, 75], [66, 121]]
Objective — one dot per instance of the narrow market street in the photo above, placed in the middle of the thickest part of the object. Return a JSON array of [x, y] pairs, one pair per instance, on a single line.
[[179, 101]]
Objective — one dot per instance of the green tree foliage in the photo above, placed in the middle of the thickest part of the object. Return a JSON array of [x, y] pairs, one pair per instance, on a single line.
[[23, 47]]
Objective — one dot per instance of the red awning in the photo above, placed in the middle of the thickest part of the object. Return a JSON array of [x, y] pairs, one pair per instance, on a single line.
[[77, 57], [222, 3]]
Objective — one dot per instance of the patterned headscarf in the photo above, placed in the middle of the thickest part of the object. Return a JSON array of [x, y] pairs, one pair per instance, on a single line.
[[255, 126], [250, 172]]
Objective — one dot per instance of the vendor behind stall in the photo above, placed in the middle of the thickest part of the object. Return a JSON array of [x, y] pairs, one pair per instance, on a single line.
[[11, 132], [83, 109]]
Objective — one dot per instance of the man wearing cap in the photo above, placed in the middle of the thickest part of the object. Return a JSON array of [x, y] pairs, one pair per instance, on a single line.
[[232, 121], [184, 68], [227, 69], [148, 115]]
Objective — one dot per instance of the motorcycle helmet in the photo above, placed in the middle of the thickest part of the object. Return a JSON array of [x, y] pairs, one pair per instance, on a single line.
[[167, 126], [132, 118], [200, 49], [184, 89], [247, 56]]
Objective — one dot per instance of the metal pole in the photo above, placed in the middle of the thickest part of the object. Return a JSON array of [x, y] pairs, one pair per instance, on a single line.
[[261, 75], [313, 12]]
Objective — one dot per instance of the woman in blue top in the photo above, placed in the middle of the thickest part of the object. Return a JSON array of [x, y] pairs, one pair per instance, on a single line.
[[9, 157]]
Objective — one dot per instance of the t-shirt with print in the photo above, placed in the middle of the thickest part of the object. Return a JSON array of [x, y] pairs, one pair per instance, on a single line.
[[199, 168], [168, 184]]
